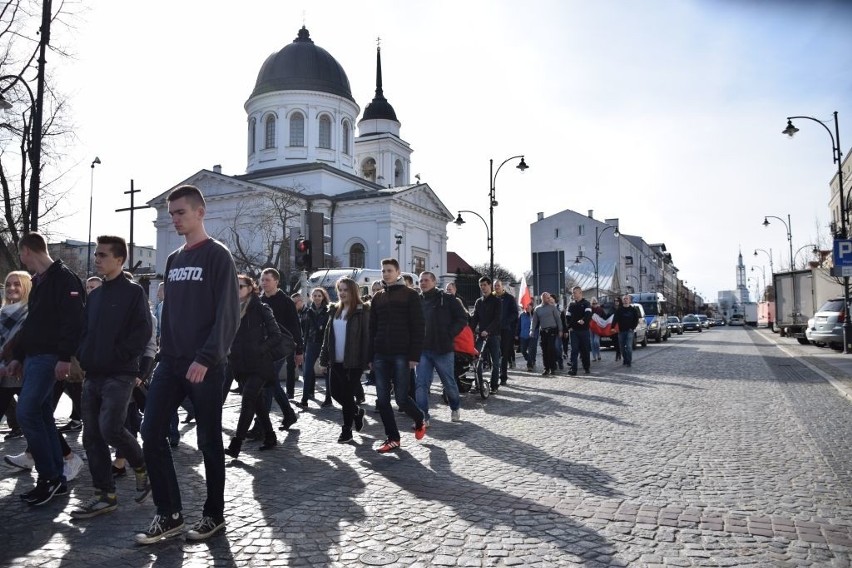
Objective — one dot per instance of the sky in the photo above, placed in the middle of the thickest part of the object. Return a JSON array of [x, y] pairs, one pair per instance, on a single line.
[[664, 114]]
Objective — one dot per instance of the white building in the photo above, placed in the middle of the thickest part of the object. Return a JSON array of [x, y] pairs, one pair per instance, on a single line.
[[303, 157]]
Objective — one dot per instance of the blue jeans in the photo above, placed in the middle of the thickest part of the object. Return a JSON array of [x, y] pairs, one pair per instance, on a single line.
[[492, 350], [625, 341], [35, 415], [443, 363], [312, 351], [596, 346], [394, 369], [104, 405], [169, 387]]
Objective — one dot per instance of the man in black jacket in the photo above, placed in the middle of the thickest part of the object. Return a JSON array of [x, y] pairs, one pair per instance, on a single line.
[[485, 323], [116, 330], [445, 318], [508, 325], [49, 337], [627, 318], [396, 343], [579, 315], [284, 309]]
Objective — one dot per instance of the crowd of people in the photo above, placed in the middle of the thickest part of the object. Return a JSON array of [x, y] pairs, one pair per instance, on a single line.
[[134, 366]]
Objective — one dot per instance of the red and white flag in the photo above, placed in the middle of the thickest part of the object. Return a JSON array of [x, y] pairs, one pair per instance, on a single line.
[[524, 298], [603, 327]]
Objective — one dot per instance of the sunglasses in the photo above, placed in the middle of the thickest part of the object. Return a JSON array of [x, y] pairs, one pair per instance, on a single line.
[[245, 285]]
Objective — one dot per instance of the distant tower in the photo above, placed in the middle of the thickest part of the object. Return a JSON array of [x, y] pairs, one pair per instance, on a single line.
[[742, 289]]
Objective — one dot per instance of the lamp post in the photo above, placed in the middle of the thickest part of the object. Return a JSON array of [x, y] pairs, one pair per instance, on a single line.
[[762, 271], [814, 250], [787, 226], [598, 235], [837, 156], [459, 221], [594, 264], [769, 254], [398, 238], [89, 242], [492, 199]]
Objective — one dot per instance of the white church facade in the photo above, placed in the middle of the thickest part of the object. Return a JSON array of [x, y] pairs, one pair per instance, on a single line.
[[304, 159]]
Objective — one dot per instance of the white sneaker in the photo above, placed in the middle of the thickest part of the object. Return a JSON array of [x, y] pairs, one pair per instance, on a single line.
[[455, 416], [22, 460], [71, 468]]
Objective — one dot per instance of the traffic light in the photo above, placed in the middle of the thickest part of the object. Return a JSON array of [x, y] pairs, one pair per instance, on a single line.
[[302, 254]]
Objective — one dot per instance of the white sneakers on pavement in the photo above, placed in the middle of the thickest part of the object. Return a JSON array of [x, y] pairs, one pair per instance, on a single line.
[[455, 416], [22, 461]]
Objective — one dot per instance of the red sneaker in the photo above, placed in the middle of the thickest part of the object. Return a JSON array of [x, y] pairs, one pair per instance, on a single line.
[[388, 446], [420, 430]]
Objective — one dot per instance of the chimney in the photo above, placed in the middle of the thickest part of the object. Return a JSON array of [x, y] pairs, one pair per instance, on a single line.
[[591, 213], [217, 169], [540, 215]]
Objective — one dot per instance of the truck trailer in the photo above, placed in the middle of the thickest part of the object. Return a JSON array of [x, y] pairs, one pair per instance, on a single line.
[[798, 294]]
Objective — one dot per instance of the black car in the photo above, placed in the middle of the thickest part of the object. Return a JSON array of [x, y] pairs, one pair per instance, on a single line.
[[675, 325], [692, 323]]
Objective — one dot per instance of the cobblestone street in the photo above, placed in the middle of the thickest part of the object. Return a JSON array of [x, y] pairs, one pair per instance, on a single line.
[[713, 449]]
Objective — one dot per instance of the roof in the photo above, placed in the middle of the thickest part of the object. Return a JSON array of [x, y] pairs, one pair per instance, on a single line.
[[302, 66]]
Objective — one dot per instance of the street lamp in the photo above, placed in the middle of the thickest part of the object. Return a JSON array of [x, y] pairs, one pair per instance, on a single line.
[[594, 264], [89, 242], [598, 235], [459, 221], [492, 199], [769, 254], [813, 247], [837, 156], [788, 225], [398, 238]]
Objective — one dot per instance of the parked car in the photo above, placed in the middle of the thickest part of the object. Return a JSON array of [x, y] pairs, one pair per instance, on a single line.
[[675, 325], [720, 321], [640, 337], [705, 321], [827, 328], [692, 323], [737, 319]]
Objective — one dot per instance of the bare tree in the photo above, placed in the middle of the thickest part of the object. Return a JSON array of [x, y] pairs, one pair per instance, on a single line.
[[259, 234], [20, 23], [500, 273]]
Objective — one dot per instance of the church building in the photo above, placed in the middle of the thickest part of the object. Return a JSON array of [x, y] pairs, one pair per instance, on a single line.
[[309, 175]]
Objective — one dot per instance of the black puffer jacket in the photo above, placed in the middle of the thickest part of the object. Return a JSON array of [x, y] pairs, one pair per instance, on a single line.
[[257, 333], [396, 323], [315, 323], [445, 317]]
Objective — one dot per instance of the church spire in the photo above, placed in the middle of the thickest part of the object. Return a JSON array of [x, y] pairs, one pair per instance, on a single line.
[[380, 108]]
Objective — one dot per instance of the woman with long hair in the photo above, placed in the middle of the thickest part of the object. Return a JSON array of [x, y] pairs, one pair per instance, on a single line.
[[12, 315], [315, 325], [252, 364], [344, 353]]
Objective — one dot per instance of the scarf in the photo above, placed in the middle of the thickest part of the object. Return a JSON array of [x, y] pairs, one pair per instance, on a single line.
[[244, 307], [12, 318]]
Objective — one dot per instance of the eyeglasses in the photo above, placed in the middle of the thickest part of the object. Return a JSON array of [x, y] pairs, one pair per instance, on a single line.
[[245, 285]]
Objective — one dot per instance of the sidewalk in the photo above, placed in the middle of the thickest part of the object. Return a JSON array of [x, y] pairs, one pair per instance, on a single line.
[[834, 366]]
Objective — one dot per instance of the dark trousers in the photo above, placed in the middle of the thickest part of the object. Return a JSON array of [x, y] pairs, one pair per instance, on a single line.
[[581, 344], [394, 370], [274, 391], [548, 348], [344, 388], [8, 406], [169, 387], [104, 405], [74, 392], [507, 351], [492, 350], [254, 403], [290, 371]]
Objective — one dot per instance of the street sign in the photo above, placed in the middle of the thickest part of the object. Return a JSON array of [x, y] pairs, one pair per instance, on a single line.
[[842, 256]]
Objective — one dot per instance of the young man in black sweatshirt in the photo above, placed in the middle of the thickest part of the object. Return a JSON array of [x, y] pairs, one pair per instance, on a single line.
[[116, 330], [201, 314], [579, 314], [487, 312]]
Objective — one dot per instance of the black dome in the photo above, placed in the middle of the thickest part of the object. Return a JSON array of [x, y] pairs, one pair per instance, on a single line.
[[302, 66]]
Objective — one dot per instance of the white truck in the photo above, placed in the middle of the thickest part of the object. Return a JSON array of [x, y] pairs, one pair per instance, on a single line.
[[798, 295]]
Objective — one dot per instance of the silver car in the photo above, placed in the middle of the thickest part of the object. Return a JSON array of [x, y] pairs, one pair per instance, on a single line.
[[827, 327]]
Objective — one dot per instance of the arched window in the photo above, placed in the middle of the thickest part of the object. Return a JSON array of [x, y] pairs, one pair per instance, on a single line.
[[357, 256], [325, 132], [297, 130], [346, 137], [397, 173], [270, 132], [252, 135], [368, 169]]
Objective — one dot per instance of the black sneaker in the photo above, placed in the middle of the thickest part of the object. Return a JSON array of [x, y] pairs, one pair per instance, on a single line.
[[205, 528], [326, 403], [163, 526], [359, 420], [287, 422], [72, 426], [14, 433], [119, 471], [345, 436], [45, 490], [143, 486]]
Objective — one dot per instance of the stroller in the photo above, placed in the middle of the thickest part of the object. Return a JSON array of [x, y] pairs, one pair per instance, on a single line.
[[467, 359]]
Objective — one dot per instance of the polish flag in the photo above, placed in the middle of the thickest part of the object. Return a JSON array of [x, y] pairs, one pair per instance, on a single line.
[[524, 298], [603, 327]]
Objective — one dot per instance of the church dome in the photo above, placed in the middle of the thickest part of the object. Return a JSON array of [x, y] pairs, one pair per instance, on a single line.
[[302, 66]]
